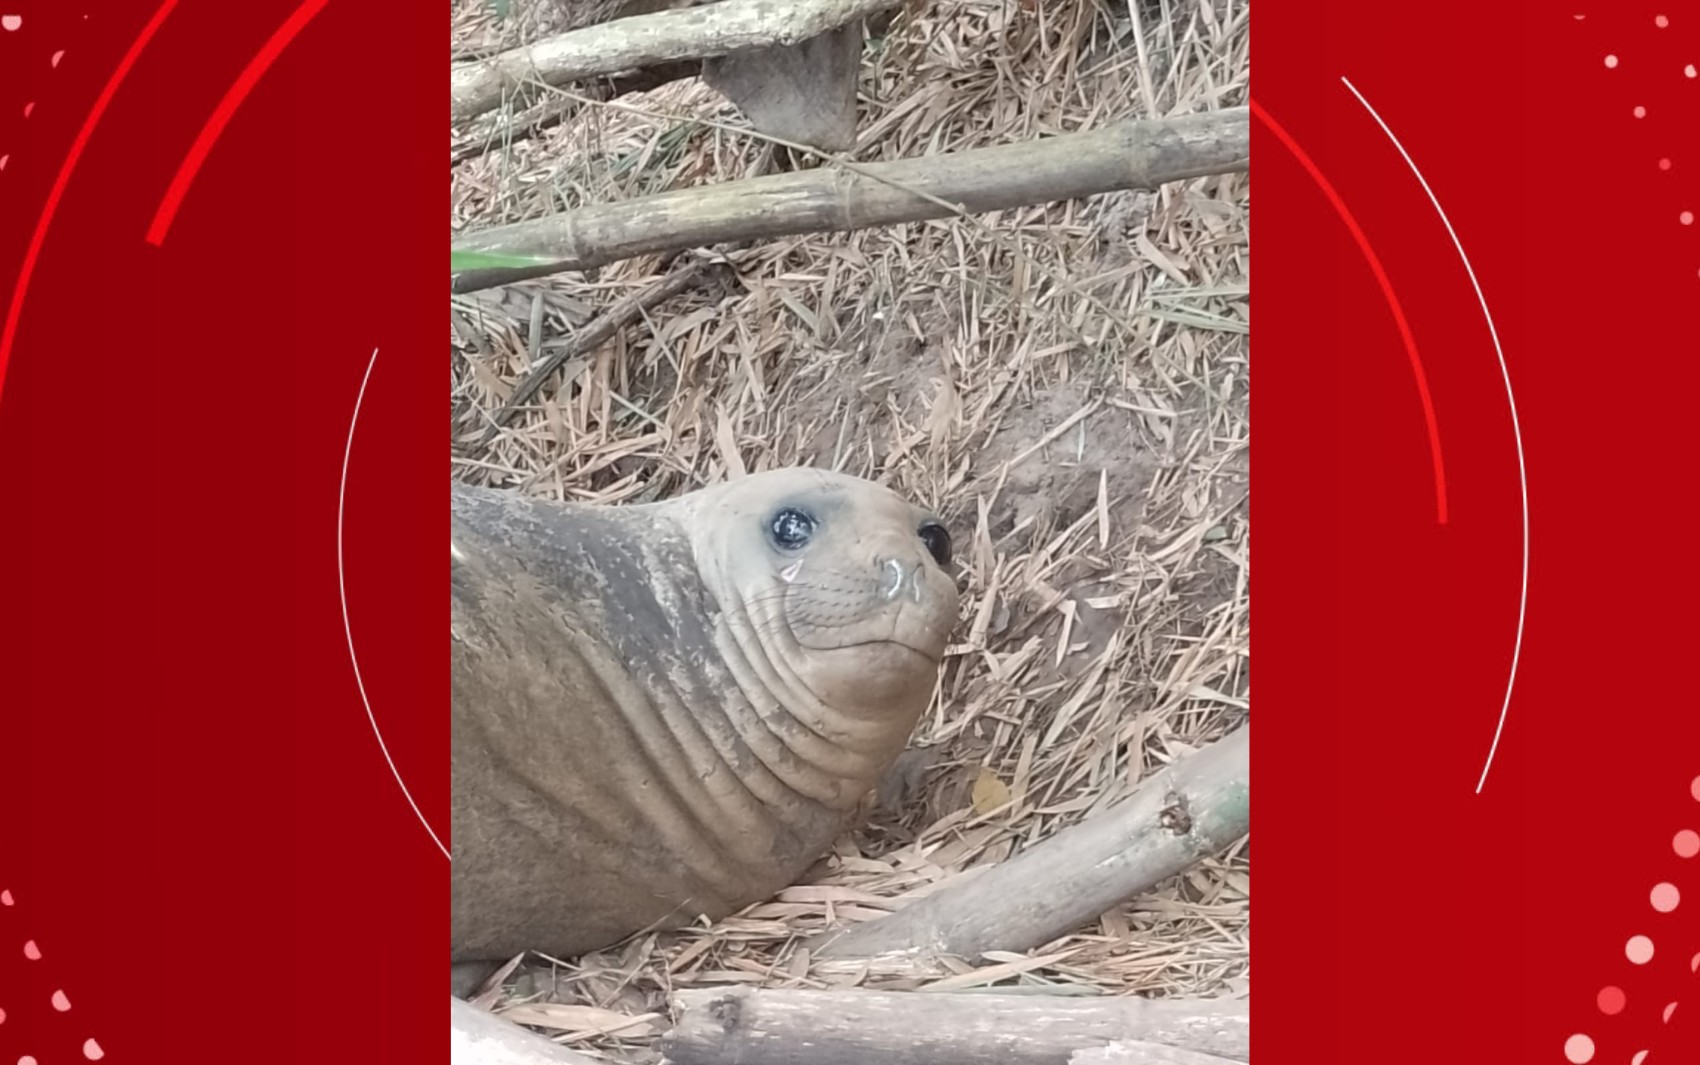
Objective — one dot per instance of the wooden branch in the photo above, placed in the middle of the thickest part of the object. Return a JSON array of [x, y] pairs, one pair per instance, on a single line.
[[547, 114], [769, 1027], [1129, 155], [480, 1038], [593, 334], [1191, 809], [644, 40]]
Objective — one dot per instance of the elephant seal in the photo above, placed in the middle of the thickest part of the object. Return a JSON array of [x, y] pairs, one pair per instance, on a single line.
[[669, 710]]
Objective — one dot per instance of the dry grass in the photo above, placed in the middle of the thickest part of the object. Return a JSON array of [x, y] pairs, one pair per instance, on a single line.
[[1066, 383]]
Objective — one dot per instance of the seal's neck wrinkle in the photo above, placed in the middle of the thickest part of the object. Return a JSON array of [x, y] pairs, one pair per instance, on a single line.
[[828, 755]]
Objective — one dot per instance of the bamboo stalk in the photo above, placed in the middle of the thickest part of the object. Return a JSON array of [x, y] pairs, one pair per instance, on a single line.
[[1128, 155]]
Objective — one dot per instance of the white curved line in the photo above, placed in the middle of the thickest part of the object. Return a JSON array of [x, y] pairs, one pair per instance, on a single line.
[[1516, 427], [342, 593]]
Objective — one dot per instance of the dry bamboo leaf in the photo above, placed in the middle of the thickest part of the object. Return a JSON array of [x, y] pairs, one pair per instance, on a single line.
[[990, 793], [582, 1020]]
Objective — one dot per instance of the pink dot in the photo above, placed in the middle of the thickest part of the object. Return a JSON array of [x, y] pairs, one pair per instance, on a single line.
[[1640, 1056], [1640, 112], [28, 108], [11, 22], [1612, 1000], [1638, 950], [1686, 843], [1664, 164], [1579, 1049], [1689, 71], [92, 1051], [57, 56], [1660, 21], [1670, 1009], [31, 951], [1686, 218], [1611, 61], [26, 1060], [1694, 789], [2, 1016], [1665, 897], [60, 1002], [6, 896]]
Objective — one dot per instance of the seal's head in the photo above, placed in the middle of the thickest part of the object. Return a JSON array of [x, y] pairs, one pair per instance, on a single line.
[[829, 584]]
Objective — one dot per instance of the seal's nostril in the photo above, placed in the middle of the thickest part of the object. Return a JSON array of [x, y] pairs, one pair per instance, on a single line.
[[896, 576]]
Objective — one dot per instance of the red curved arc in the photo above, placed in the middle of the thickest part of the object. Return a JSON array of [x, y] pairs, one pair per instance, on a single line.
[[1393, 304], [51, 206], [222, 114]]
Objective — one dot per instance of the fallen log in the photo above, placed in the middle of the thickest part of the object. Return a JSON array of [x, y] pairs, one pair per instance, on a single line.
[[769, 1027], [645, 40], [1128, 155], [480, 1038], [1191, 809]]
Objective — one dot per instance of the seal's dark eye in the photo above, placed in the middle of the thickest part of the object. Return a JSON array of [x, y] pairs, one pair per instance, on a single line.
[[937, 541], [791, 528]]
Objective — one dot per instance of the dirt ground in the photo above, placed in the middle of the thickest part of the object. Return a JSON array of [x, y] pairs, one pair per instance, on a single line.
[[1067, 384]]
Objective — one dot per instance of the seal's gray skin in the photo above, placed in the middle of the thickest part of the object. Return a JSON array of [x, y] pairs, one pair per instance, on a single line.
[[666, 711]]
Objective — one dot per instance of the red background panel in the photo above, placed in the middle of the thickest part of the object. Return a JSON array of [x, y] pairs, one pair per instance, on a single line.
[[200, 831], [1405, 916]]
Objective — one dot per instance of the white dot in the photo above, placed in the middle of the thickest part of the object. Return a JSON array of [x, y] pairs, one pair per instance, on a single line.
[[31, 951], [92, 1051], [1611, 61], [1660, 21], [1640, 112], [1690, 71], [1579, 1049], [5, 898], [1665, 897], [1686, 218], [1638, 950], [1640, 1056], [60, 1002]]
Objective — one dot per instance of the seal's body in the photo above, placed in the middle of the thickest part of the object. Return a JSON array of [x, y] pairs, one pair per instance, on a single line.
[[667, 711]]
